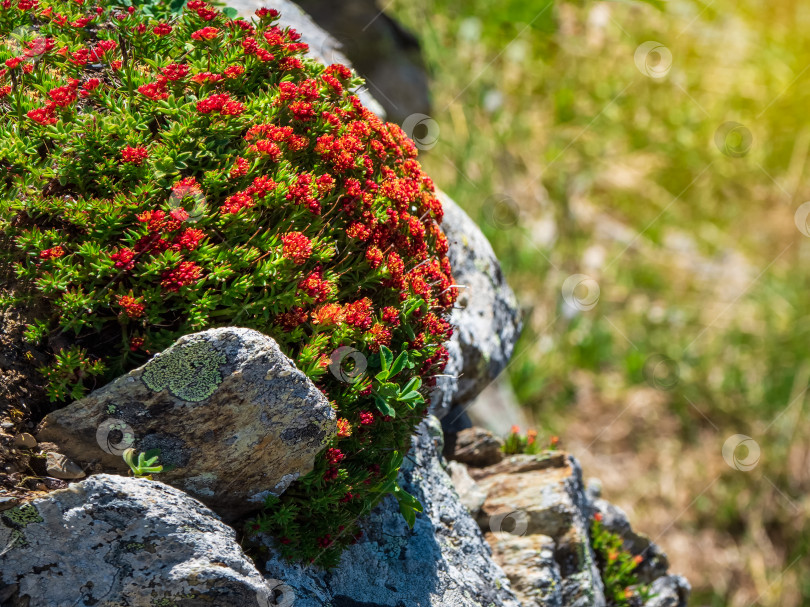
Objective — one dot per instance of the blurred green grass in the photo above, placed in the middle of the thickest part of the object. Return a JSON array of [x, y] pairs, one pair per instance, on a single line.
[[574, 161]]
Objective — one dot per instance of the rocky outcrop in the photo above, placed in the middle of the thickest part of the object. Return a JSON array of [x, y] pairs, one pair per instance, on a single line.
[[486, 321], [536, 513], [233, 417], [442, 562], [110, 541]]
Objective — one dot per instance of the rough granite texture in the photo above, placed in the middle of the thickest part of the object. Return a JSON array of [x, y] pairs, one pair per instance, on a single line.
[[442, 562], [486, 321], [226, 408], [110, 541], [543, 495]]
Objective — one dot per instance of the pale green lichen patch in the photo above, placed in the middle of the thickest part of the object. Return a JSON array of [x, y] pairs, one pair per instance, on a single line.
[[17, 519], [191, 372]]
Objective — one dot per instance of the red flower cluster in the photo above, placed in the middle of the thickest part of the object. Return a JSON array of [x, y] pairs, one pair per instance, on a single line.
[[136, 155], [133, 307], [186, 273], [221, 103], [297, 247], [52, 253], [206, 33]]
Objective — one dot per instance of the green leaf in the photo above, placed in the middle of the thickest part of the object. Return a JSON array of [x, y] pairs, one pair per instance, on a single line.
[[414, 384], [408, 514], [230, 12], [386, 356], [383, 406], [398, 364]]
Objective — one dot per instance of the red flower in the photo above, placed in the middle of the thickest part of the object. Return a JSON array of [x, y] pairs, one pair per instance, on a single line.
[[297, 247], [344, 428], [334, 456], [53, 253], [261, 13], [204, 77], [154, 90], [206, 33], [175, 71], [213, 103], [162, 29], [44, 115], [240, 168], [133, 307], [124, 259], [366, 418], [90, 86], [13, 62], [135, 155], [237, 202], [390, 315], [190, 239], [234, 71], [186, 273], [232, 108], [315, 286], [358, 313], [328, 314], [136, 343], [374, 257], [4, 90]]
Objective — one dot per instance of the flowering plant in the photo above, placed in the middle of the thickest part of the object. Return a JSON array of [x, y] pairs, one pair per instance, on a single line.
[[164, 176]]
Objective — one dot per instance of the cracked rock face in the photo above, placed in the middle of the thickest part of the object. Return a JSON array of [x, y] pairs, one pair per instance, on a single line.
[[442, 562], [231, 414], [535, 514], [110, 541]]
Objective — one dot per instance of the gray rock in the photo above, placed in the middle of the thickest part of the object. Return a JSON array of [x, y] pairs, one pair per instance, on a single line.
[[486, 323], [470, 494], [322, 46], [477, 447], [442, 562], [530, 565], [670, 591], [232, 414], [110, 541]]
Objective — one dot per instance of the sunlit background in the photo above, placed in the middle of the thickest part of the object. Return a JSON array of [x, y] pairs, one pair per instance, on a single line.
[[671, 174]]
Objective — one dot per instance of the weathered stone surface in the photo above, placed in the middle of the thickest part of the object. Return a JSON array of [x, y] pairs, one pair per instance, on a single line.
[[536, 517], [59, 466], [543, 494], [670, 591], [477, 447], [529, 563], [322, 46], [470, 494], [233, 416], [110, 541], [442, 562], [486, 323]]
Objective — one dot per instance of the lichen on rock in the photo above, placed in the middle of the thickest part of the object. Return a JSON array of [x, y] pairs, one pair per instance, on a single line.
[[191, 371]]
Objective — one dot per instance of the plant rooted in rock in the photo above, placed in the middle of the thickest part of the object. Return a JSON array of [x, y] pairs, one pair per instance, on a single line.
[[158, 177]]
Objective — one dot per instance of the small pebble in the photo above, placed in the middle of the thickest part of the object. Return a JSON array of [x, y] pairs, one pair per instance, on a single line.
[[25, 440], [7, 502], [59, 466]]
